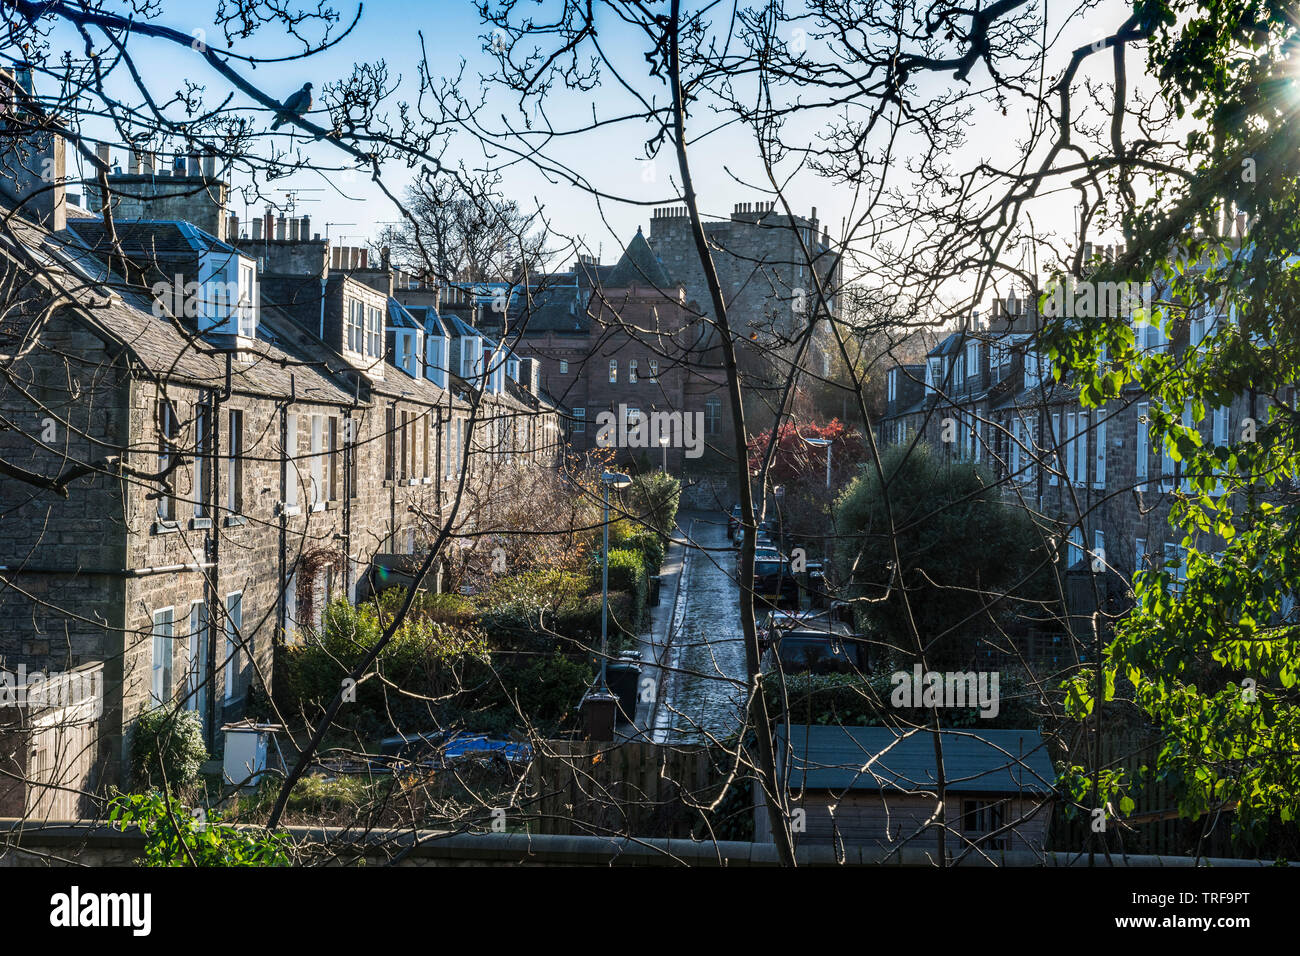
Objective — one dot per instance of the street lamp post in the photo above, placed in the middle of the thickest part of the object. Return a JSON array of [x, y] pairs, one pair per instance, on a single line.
[[823, 443], [663, 443], [608, 479], [600, 707]]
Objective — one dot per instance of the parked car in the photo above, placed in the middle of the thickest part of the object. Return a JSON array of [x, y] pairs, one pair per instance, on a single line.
[[815, 652], [775, 584], [781, 621], [764, 552], [733, 521]]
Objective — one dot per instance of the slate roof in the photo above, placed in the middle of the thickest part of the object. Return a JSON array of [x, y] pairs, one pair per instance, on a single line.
[[148, 238], [975, 761], [400, 318], [122, 316], [949, 344], [638, 265]]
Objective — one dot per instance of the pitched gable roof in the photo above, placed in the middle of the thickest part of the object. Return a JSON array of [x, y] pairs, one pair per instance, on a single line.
[[638, 266]]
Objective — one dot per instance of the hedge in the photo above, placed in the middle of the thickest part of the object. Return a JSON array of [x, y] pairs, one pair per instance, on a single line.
[[166, 744]]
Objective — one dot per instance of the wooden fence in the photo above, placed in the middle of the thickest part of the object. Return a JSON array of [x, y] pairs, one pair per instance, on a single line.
[[641, 789], [1154, 826]]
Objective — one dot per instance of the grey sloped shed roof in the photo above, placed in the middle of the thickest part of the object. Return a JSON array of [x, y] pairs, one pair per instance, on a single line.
[[974, 761]]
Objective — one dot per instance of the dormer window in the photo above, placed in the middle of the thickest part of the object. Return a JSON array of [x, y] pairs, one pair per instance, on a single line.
[[408, 351], [435, 358], [374, 332], [354, 333], [227, 295]]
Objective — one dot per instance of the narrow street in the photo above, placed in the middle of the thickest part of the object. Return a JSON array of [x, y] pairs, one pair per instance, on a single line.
[[703, 691]]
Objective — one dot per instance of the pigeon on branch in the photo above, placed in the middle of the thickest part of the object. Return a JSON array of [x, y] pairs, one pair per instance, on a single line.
[[296, 105]]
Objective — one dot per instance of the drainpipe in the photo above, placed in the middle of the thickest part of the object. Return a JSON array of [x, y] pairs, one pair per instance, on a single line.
[[285, 455], [212, 576]]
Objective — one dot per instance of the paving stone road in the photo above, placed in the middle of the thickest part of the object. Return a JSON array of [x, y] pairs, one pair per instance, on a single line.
[[702, 698]]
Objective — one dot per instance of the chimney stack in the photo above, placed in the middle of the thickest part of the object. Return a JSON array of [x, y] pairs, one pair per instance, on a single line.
[[34, 164]]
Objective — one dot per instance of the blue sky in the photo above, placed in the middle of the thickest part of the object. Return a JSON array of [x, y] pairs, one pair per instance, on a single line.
[[450, 31]]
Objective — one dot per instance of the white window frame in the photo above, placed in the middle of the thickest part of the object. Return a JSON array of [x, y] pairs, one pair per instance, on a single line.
[[1142, 446], [317, 462], [290, 462], [1074, 550], [234, 624], [1054, 476], [196, 675], [162, 652], [1099, 452]]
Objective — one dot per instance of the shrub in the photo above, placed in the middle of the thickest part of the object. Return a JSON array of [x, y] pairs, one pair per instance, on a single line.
[[521, 610], [627, 572], [853, 700], [973, 566], [653, 498], [166, 745], [651, 546], [174, 836], [581, 622], [421, 659], [548, 688]]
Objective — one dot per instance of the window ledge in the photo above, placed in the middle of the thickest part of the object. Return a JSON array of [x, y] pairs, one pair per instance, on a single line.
[[290, 510], [200, 524], [165, 527], [234, 521], [319, 506]]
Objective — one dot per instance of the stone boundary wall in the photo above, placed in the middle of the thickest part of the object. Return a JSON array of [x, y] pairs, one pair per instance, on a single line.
[[24, 844]]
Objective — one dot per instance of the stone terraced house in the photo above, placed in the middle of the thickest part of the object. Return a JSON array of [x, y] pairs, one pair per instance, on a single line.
[[1097, 479], [205, 436]]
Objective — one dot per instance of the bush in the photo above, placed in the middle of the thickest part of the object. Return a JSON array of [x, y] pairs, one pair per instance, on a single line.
[[166, 745], [850, 700], [653, 498], [974, 565], [521, 609], [421, 658], [174, 836], [547, 687], [581, 622], [651, 547], [627, 572]]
